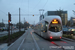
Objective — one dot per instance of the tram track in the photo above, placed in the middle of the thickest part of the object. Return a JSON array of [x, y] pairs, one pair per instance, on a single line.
[[52, 42], [29, 42], [64, 44], [38, 48], [68, 39], [32, 41], [22, 42]]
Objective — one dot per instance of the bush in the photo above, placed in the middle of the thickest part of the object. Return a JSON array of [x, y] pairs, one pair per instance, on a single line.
[[67, 36], [13, 36]]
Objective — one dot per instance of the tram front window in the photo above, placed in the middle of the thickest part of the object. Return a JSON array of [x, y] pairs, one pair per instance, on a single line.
[[55, 28]]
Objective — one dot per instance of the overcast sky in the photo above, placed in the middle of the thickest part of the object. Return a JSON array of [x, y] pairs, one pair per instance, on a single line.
[[32, 7]]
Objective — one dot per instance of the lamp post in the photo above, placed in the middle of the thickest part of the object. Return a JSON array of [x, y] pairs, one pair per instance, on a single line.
[[24, 24]]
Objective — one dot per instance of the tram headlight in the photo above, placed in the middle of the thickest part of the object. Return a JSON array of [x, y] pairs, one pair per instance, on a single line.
[[46, 25]]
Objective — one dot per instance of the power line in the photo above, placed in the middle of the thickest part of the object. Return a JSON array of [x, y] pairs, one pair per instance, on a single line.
[[24, 10], [36, 5], [21, 5], [3, 12], [21, 2], [24, 14], [45, 4], [28, 6]]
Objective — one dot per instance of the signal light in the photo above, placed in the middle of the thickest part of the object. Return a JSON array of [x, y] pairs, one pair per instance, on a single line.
[[8, 20], [51, 37], [9, 17]]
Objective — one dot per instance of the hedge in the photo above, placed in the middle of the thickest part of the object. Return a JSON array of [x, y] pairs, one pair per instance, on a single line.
[[13, 36]]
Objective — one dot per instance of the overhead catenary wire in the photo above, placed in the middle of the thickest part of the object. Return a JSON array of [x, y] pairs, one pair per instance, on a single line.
[[43, 8], [28, 7], [21, 2], [45, 4], [23, 14], [3, 12], [36, 5]]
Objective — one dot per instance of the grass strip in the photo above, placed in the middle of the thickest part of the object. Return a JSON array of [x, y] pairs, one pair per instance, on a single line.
[[13, 37]]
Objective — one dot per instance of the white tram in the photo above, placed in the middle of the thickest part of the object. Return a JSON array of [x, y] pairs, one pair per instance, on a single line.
[[50, 27]]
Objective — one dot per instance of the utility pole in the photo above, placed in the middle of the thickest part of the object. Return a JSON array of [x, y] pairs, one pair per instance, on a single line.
[[11, 30], [2, 20], [9, 20], [19, 21], [34, 23], [24, 24]]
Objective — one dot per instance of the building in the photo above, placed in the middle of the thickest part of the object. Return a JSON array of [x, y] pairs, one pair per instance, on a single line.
[[72, 21], [62, 14]]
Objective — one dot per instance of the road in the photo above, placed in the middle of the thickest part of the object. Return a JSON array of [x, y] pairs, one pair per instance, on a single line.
[[31, 41], [6, 32]]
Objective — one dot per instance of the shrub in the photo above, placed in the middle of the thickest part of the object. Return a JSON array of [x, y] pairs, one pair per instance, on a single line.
[[13, 36], [67, 36]]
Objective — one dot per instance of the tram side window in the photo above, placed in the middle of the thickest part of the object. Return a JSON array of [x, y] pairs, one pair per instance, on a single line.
[[42, 26], [35, 27], [46, 24], [39, 27]]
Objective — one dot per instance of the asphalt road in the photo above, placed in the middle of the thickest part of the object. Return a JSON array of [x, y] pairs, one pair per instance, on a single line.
[[31, 41], [6, 32]]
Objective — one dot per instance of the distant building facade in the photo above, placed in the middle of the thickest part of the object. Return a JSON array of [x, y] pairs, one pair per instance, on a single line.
[[62, 14], [72, 21]]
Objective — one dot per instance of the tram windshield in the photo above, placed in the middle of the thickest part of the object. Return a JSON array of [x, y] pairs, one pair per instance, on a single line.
[[55, 28]]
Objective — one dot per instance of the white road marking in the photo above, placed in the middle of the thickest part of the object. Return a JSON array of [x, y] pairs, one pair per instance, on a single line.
[[23, 49], [21, 44], [38, 48], [33, 48], [7, 47], [11, 45], [42, 48]]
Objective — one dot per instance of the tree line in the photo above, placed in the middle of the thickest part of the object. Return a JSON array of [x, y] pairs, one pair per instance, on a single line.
[[22, 25]]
